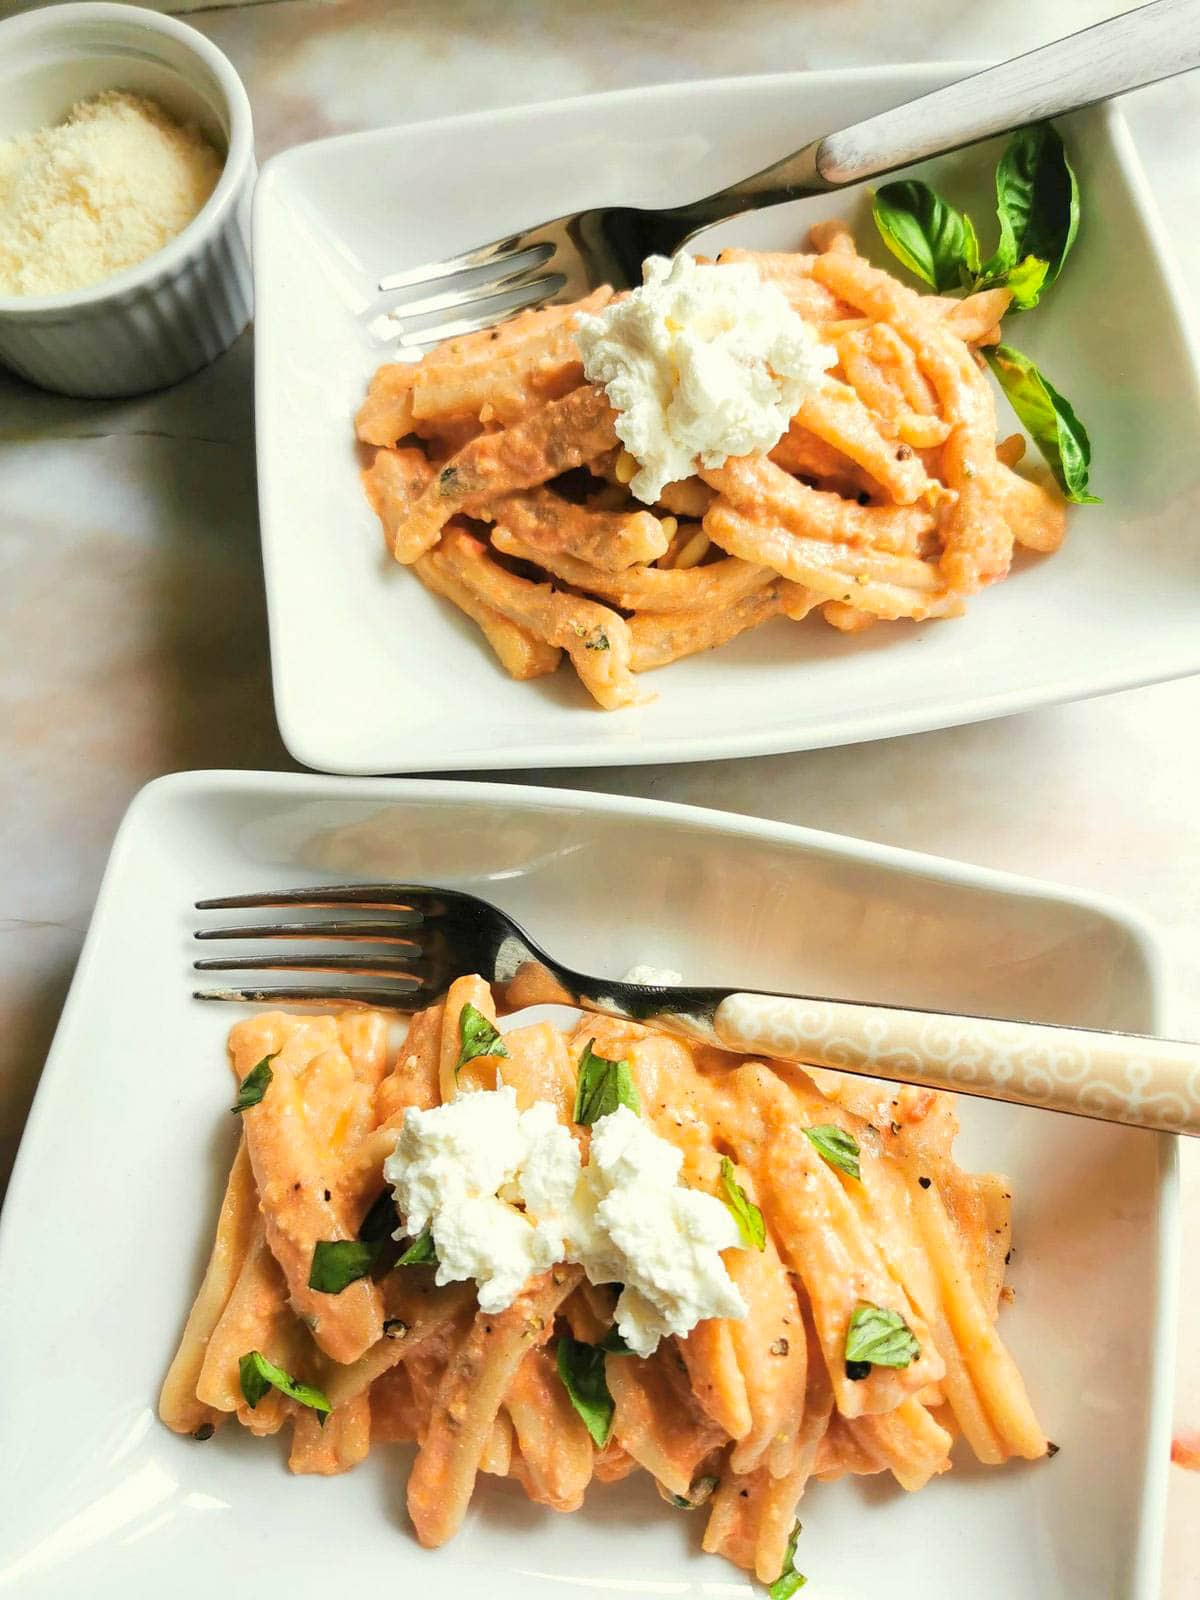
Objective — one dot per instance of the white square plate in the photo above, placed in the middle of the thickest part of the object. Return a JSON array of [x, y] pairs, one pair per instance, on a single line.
[[120, 1174], [373, 674]]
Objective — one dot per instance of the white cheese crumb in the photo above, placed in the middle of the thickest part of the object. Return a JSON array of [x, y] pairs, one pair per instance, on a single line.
[[505, 1196], [108, 187], [700, 363], [656, 977]]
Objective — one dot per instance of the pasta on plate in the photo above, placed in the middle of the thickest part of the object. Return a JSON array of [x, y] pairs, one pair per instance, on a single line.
[[498, 477], [863, 1212]]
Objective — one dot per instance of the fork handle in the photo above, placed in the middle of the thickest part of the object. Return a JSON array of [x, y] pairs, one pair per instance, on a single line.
[[1116, 1077], [1138, 47]]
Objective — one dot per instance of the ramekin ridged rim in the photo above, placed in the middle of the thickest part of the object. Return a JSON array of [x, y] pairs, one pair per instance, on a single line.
[[166, 262]]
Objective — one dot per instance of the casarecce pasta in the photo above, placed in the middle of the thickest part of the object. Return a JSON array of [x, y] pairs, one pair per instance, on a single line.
[[861, 1205], [498, 477]]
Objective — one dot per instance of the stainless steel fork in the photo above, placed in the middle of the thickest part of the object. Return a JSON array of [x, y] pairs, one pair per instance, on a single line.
[[562, 260], [415, 940]]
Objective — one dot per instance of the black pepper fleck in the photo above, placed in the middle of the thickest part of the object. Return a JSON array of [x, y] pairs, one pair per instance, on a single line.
[[780, 1347], [204, 1431], [1052, 1449], [925, 1182], [904, 452], [856, 1371], [328, 1196], [1008, 1258]]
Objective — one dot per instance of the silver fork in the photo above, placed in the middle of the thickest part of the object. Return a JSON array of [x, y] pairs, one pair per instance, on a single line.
[[417, 940], [607, 244]]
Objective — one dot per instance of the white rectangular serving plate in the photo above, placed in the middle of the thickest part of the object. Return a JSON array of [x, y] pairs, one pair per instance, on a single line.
[[374, 674], [112, 1206]]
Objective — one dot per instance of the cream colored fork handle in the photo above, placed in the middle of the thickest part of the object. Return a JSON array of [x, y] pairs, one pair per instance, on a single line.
[[1146, 1083]]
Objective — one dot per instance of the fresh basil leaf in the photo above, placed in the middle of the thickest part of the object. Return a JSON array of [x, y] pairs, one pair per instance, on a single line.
[[836, 1146], [581, 1368], [601, 1087], [257, 1375], [421, 1252], [789, 1580], [337, 1263], [1050, 420], [477, 1037], [933, 239], [881, 1337], [380, 1221], [1037, 203], [254, 1085], [745, 1213], [613, 1344]]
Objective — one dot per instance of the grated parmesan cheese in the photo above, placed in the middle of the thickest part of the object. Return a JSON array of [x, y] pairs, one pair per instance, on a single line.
[[103, 190]]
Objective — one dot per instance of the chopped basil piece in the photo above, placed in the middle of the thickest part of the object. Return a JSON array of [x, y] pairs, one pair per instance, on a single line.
[[836, 1146], [879, 1337], [254, 1085], [1051, 421], [934, 240], [420, 1252], [600, 642], [745, 1213], [257, 1375], [477, 1037], [789, 1580], [699, 1490], [380, 1221], [602, 1086], [337, 1263], [581, 1368]]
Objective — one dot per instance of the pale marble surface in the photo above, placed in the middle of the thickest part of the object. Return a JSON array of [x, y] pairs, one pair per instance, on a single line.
[[132, 608]]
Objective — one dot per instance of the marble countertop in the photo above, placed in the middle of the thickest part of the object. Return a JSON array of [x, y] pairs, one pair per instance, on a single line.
[[132, 610]]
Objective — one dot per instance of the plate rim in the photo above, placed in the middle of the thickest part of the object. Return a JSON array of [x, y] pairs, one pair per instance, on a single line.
[[1147, 1541], [318, 749]]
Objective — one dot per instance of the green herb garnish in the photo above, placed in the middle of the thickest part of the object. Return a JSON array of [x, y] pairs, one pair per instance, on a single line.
[[254, 1085], [477, 1037], [337, 1263], [421, 1252], [602, 1086], [257, 1375], [581, 1368], [934, 240], [879, 1338], [789, 1580], [1050, 420], [1037, 206], [745, 1213], [836, 1146]]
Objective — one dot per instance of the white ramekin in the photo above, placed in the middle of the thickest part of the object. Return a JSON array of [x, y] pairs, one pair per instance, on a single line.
[[176, 311]]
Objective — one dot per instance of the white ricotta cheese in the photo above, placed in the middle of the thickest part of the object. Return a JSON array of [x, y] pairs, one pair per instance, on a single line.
[[506, 1196], [700, 363]]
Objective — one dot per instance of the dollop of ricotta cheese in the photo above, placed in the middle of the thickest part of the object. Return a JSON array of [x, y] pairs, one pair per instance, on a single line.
[[656, 977], [505, 1194], [701, 363]]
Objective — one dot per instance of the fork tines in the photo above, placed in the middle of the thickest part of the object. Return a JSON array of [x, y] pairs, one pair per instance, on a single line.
[[486, 286], [400, 964]]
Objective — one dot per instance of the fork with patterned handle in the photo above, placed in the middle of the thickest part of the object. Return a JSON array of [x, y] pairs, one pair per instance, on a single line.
[[411, 942]]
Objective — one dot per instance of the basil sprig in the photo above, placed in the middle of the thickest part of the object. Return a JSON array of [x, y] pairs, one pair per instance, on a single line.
[[934, 240], [836, 1146], [1037, 208], [477, 1036], [601, 1087], [745, 1213], [256, 1375], [254, 1085], [421, 1252], [789, 1580], [1037, 205], [1049, 419], [879, 1338], [581, 1369]]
